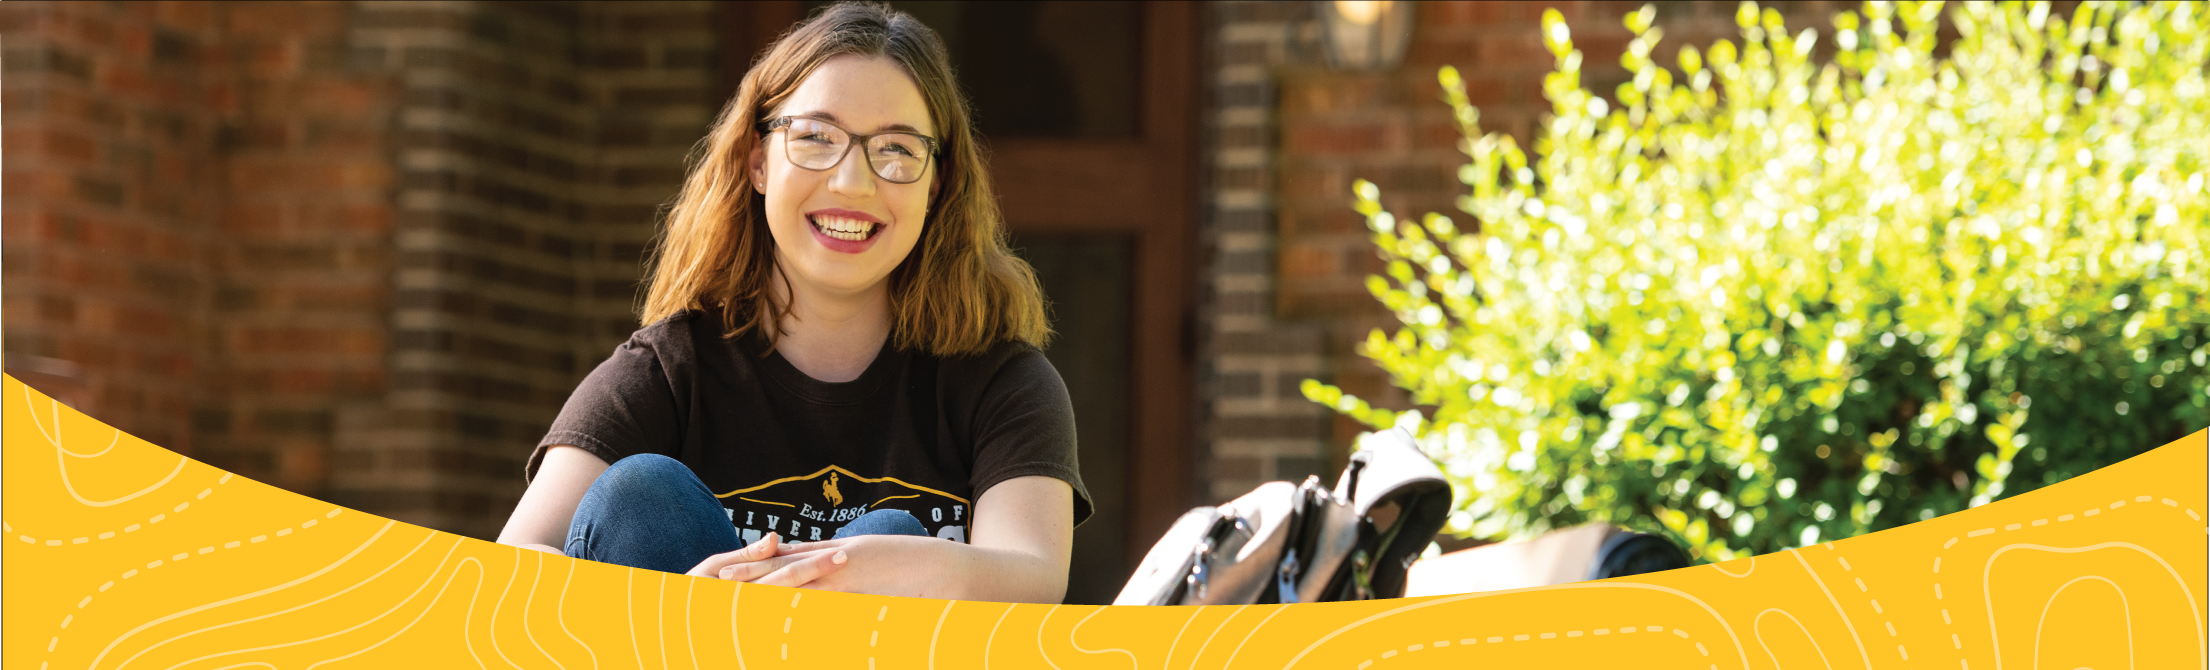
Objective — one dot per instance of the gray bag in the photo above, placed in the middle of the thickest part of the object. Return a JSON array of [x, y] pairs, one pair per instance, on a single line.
[[1304, 543]]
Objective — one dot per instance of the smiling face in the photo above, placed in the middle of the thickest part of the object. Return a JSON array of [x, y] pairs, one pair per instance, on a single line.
[[840, 232]]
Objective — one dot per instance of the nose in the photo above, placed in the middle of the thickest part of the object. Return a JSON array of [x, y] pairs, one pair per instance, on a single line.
[[852, 176]]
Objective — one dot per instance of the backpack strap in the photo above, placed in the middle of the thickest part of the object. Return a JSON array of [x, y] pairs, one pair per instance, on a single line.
[[1401, 500], [1326, 532]]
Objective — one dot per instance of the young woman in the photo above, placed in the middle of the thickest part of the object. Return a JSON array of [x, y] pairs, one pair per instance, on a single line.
[[839, 385]]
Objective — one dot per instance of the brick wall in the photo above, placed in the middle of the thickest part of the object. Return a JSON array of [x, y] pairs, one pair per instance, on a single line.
[[534, 142], [362, 250], [300, 257], [105, 265], [1289, 135], [1258, 427], [195, 222]]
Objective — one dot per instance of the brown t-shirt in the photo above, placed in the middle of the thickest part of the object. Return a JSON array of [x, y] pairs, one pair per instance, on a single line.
[[799, 456]]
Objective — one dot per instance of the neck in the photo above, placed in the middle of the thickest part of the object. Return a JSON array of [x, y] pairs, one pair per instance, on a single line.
[[832, 336]]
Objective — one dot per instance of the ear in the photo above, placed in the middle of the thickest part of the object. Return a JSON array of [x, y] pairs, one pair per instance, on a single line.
[[757, 163]]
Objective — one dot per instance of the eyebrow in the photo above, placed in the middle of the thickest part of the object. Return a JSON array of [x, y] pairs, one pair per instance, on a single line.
[[831, 118]]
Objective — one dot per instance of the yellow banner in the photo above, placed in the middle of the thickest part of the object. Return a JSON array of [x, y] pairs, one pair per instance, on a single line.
[[120, 554]]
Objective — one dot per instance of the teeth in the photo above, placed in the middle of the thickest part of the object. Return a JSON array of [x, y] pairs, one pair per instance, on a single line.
[[853, 230]]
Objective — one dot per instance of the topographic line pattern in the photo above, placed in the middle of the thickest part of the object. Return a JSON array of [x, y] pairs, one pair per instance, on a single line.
[[356, 585], [238, 574], [1863, 588], [158, 562], [62, 454], [1948, 620], [1477, 639]]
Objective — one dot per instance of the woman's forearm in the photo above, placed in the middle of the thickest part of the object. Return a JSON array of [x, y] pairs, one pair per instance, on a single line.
[[923, 567], [1022, 534], [1003, 575]]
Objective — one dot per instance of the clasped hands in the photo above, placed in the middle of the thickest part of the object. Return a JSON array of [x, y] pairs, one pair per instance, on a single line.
[[818, 565]]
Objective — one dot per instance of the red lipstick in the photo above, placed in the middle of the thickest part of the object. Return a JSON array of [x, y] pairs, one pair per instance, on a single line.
[[844, 230]]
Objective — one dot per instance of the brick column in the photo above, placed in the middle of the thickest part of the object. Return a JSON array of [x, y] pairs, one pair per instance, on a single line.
[[1258, 425], [301, 248], [112, 172], [196, 223], [533, 144]]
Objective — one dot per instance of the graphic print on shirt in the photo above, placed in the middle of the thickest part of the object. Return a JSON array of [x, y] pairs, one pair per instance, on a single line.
[[812, 507]]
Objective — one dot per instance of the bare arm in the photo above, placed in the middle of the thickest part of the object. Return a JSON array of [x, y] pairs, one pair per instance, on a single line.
[[1026, 526], [1022, 534], [541, 519]]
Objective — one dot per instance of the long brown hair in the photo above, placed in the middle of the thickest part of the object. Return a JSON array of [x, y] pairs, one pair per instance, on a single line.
[[960, 290]]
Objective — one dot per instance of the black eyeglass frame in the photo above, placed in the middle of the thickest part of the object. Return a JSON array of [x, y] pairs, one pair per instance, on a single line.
[[781, 122]]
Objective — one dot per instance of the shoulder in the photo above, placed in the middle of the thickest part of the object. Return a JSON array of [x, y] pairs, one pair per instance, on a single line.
[[673, 341], [665, 351], [1009, 381], [675, 332], [1009, 365]]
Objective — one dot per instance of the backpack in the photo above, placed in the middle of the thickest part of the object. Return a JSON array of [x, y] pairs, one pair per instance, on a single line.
[[1285, 543]]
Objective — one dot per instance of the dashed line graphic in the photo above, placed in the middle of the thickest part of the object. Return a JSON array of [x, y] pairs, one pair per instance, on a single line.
[[784, 653], [62, 454], [874, 636], [1876, 609], [379, 534], [156, 563], [1393, 652], [1956, 641]]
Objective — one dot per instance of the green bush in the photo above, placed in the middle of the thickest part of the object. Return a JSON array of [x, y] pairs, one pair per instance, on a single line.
[[1796, 298]]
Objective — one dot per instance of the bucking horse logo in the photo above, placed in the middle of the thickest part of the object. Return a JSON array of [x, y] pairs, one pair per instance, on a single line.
[[828, 490]]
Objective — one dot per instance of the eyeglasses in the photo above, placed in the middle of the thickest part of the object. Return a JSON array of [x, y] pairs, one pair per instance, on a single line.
[[813, 144]]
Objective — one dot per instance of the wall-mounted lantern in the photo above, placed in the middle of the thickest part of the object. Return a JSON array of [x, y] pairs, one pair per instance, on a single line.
[[1366, 34]]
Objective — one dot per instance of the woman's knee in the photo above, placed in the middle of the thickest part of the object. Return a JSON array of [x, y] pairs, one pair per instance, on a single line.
[[650, 511], [644, 475]]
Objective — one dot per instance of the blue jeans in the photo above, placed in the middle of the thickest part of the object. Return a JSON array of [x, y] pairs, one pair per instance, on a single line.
[[648, 511]]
